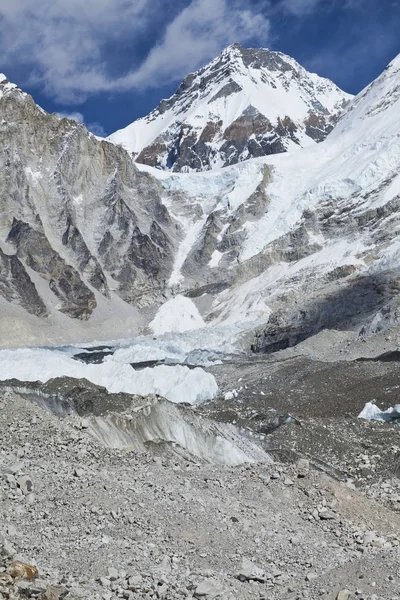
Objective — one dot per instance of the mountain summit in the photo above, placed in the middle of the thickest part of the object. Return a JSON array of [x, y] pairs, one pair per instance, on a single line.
[[246, 103]]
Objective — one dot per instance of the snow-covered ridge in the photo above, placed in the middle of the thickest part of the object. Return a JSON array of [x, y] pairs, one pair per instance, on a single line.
[[245, 103], [6, 86], [378, 97]]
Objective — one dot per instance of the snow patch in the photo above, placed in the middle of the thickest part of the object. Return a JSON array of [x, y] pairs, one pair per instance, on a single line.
[[215, 259], [78, 199], [373, 413], [393, 190], [193, 231], [177, 315], [7, 86]]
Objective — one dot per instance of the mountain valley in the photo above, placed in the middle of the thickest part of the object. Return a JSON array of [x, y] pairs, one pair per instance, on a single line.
[[200, 334]]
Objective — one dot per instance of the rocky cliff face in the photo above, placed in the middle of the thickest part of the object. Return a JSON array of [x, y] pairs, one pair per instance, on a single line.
[[79, 222], [246, 103]]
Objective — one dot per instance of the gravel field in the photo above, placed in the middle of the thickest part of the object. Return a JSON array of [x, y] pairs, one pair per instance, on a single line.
[[322, 521]]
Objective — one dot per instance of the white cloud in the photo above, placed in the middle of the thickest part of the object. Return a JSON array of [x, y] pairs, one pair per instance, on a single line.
[[95, 127], [198, 34], [65, 44], [299, 7], [75, 116]]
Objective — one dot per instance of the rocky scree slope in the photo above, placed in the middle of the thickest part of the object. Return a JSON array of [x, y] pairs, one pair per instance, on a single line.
[[81, 227], [101, 523], [245, 103]]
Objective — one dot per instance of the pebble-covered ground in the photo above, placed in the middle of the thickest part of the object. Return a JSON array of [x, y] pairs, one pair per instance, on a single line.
[[323, 521]]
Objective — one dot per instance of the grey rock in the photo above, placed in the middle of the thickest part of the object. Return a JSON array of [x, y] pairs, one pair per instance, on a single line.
[[343, 595], [7, 549], [10, 479], [165, 566], [25, 483], [326, 515], [33, 588], [135, 580], [250, 572], [16, 468], [113, 574], [369, 537], [162, 591], [302, 467], [209, 588]]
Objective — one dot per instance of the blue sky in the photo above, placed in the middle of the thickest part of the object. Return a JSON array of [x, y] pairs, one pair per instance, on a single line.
[[108, 62]]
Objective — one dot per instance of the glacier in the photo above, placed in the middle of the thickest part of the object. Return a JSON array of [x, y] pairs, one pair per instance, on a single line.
[[176, 383]]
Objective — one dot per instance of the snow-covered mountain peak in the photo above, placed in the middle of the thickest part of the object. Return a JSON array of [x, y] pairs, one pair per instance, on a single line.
[[6, 85], [245, 103], [394, 65]]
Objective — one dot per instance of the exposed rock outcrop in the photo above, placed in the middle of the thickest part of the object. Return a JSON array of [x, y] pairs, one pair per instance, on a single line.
[[77, 213]]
